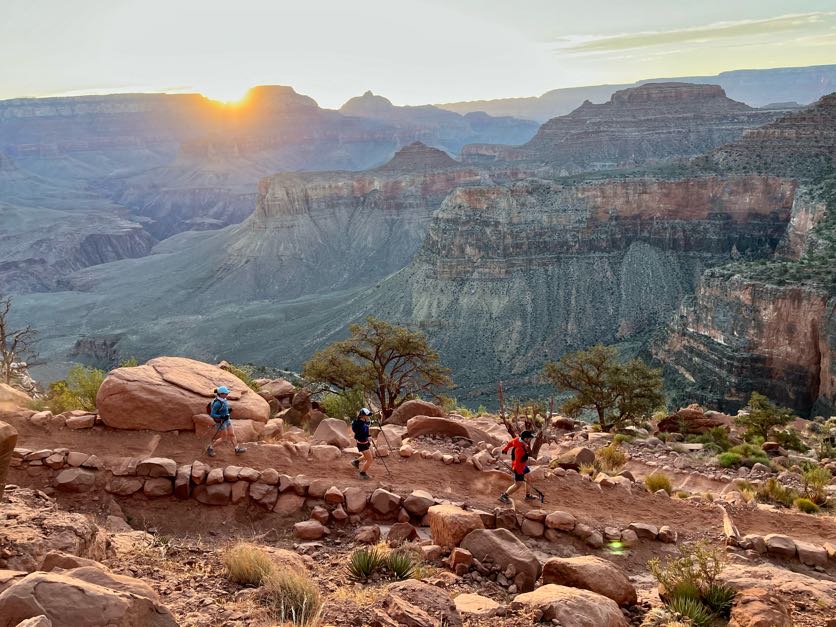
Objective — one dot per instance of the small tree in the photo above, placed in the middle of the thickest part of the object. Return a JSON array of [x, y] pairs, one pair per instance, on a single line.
[[763, 416], [389, 362], [619, 393], [17, 346]]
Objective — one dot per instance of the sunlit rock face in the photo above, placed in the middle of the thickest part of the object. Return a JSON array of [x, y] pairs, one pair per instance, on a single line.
[[647, 124]]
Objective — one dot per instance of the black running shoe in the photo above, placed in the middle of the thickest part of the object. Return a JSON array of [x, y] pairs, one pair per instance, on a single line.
[[363, 475], [355, 463], [210, 451], [504, 498], [530, 497]]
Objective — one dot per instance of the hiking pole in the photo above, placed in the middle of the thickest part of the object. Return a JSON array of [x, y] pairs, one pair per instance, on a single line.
[[211, 439], [385, 437], [540, 494], [377, 453]]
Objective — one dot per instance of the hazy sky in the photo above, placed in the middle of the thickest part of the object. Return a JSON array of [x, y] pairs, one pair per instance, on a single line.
[[412, 51]]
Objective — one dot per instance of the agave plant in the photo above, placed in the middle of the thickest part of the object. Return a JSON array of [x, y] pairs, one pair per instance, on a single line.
[[401, 564], [364, 562]]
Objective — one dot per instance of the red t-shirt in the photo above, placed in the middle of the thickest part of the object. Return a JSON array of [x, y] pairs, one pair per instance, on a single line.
[[519, 455]]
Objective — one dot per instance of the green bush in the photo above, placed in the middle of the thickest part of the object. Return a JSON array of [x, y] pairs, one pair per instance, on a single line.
[[623, 437], [292, 597], [77, 391], [401, 564], [805, 505], [245, 373], [658, 481], [247, 564], [729, 460], [816, 480], [611, 458], [716, 438], [364, 561], [344, 405], [772, 491], [790, 440], [763, 417], [698, 566]]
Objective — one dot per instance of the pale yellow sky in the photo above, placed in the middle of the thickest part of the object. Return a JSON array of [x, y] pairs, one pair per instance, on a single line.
[[412, 51]]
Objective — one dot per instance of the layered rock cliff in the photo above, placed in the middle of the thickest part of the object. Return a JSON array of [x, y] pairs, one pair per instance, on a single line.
[[645, 124], [770, 326], [510, 276]]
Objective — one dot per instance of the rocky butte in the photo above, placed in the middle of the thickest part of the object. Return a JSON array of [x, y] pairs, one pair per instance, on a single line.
[[650, 123], [771, 326]]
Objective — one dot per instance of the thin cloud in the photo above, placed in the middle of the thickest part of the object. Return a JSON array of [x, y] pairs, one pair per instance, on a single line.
[[698, 34]]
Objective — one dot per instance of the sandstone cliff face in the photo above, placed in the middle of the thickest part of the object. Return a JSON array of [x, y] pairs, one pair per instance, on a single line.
[[510, 276], [736, 336], [770, 327], [650, 123]]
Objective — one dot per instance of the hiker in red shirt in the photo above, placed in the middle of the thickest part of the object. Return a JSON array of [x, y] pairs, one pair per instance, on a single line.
[[520, 448]]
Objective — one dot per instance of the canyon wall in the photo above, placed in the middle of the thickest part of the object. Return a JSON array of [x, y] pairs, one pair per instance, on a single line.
[[510, 276], [646, 124]]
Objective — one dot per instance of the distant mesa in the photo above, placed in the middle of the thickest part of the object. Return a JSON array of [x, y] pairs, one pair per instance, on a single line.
[[418, 156], [367, 105]]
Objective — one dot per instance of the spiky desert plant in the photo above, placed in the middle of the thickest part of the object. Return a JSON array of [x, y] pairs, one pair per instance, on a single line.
[[247, 564], [805, 505], [719, 598], [664, 617], [694, 609], [401, 564], [364, 561], [816, 480]]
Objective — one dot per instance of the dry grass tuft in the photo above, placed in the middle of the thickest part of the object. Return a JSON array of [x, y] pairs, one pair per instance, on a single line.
[[247, 564], [291, 597]]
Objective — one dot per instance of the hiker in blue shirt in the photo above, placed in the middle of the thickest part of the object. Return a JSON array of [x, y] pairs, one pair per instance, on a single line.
[[220, 412], [360, 427]]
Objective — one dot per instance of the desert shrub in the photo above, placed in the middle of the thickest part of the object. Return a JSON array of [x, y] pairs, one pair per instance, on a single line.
[[611, 458], [805, 505], [588, 469], [682, 494], [77, 391], [130, 362], [292, 597], [364, 561], [697, 567], [623, 437], [729, 460], [658, 481], [773, 491], [343, 405], [694, 609], [762, 416], [816, 480], [715, 439], [401, 564], [719, 598], [790, 439], [245, 373], [247, 564]]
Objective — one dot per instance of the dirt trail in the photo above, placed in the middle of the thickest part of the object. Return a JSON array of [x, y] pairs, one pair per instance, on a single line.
[[458, 482]]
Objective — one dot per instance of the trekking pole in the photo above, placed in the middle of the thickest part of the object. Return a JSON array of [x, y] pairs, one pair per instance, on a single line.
[[377, 453], [385, 437], [211, 439]]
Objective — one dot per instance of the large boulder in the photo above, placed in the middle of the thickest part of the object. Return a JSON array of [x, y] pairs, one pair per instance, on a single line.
[[8, 439], [12, 398], [414, 603], [574, 458], [690, 420], [571, 607], [410, 409], [277, 388], [504, 549], [427, 425], [590, 573], [333, 431], [757, 607], [67, 600], [450, 524], [475, 605], [75, 480], [166, 392]]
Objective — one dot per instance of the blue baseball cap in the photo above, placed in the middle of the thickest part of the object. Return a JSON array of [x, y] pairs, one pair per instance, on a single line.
[[223, 390]]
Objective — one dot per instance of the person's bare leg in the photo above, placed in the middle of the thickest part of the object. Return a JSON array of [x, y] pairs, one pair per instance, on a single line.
[[367, 460], [513, 488]]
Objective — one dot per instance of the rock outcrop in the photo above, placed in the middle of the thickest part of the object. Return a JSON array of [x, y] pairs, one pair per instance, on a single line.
[[8, 440], [165, 393], [652, 122]]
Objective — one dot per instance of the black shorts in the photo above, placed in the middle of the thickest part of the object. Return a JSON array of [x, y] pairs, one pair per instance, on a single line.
[[363, 446], [521, 477]]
